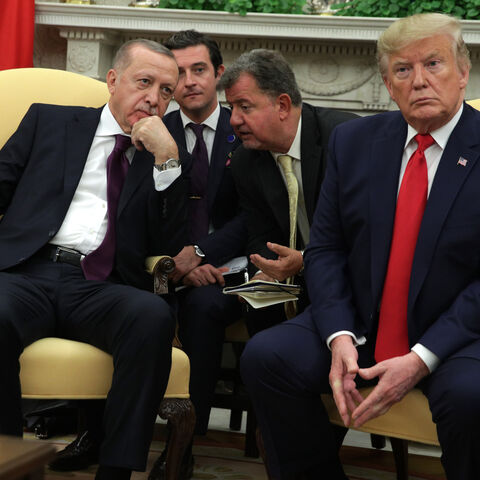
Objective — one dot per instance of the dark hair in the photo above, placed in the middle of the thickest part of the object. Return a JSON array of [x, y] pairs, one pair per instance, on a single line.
[[122, 57], [269, 69], [192, 38]]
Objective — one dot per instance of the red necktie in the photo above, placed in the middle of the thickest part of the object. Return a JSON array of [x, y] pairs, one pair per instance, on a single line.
[[98, 265], [392, 336]]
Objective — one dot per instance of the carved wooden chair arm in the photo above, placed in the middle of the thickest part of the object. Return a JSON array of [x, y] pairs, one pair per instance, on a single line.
[[160, 267]]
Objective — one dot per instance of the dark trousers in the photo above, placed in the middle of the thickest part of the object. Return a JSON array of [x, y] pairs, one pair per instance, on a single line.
[[203, 314], [286, 369], [42, 298]]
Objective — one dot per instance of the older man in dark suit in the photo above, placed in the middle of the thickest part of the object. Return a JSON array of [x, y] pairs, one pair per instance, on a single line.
[[276, 127], [393, 270], [76, 230]]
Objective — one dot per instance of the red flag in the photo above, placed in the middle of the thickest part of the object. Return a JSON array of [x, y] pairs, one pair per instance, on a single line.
[[17, 20]]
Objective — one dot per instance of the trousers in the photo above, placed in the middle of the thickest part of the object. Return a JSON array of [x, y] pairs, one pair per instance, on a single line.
[[285, 369], [41, 298]]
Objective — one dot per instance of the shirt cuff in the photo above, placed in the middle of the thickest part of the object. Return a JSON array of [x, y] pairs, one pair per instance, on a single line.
[[428, 357], [356, 341], [163, 179]]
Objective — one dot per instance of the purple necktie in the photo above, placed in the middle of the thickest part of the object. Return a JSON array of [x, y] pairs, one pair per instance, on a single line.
[[198, 186], [98, 265]]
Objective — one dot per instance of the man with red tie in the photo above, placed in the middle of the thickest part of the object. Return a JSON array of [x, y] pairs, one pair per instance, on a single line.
[[392, 269]]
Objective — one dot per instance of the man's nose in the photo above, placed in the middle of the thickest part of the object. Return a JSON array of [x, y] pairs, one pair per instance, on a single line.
[[152, 97], [235, 118], [189, 78], [419, 79]]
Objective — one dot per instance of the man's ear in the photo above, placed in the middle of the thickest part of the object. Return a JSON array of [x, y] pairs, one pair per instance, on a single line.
[[111, 80], [284, 105], [220, 71]]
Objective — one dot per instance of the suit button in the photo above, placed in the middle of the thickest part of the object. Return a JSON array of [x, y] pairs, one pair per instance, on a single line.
[[51, 233]]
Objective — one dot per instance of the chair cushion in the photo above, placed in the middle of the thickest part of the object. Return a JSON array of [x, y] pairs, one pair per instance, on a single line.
[[475, 103], [44, 85], [409, 419], [65, 369]]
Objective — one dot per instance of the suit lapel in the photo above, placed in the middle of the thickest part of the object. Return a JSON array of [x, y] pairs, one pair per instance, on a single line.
[[311, 161], [176, 130], [274, 189], [449, 179], [384, 170], [223, 144], [142, 164], [80, 132]]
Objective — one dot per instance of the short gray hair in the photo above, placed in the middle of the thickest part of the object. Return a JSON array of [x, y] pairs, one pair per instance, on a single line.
[[123, 58], [417, 27], [269, 69]]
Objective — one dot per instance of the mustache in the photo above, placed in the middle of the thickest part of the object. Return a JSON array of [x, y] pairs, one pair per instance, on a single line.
[[148, 109]]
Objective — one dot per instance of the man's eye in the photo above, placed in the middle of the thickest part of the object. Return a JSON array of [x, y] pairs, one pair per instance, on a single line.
[[402, 72]]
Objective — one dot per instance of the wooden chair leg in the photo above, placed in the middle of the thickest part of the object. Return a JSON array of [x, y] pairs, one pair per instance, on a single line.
[[400, 454], [251, 447], [180, 415], [377, 441]]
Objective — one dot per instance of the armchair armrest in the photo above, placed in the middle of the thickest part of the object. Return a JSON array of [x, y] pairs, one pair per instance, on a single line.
[[160, 267]]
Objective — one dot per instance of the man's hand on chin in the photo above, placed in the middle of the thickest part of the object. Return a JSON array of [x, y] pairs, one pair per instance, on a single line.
[[152, 134], [397, 376]]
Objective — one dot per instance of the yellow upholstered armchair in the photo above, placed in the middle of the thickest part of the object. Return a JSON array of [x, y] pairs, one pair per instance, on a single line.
[[55, 368]]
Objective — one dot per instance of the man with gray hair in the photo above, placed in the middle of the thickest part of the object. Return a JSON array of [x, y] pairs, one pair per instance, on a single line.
[[283, 145], [87, 194], [392, 268]]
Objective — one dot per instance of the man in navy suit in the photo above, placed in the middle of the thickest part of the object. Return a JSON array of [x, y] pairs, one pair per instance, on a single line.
[[397, 311], [57, 213], [204, 311]]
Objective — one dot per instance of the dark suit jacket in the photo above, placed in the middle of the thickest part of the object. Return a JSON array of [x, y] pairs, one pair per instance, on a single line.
[[263, 194], [40, 167], [228, 239], [347, 257]]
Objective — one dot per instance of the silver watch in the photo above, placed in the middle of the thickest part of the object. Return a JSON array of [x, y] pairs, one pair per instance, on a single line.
[[170, 163], [198, 251]]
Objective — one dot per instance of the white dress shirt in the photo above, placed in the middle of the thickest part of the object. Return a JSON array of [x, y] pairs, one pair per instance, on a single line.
[[208, 132], [85, 223]]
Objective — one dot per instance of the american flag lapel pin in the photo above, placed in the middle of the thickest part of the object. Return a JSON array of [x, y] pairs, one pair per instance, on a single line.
[[462, 161]]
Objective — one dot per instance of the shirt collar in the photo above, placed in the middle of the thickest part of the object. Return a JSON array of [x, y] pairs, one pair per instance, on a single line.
[[295, 147], [108, 126], [442, 134], [210, 122]]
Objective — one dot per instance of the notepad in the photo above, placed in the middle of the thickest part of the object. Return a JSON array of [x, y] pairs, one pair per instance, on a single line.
[[259, 293]]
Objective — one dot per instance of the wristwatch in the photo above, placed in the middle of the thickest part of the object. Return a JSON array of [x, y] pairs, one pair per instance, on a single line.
[[170, 163], [198, 251]]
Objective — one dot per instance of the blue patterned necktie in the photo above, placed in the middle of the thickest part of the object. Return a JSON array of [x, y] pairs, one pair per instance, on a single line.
[[98, 265], [198, 186]]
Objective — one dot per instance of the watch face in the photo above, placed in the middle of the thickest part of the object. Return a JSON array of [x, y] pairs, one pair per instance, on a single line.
[[198, 251], [172, 163]]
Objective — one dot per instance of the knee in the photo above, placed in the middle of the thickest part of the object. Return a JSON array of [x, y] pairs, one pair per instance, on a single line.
[[459, 405], [258, 359], [153, 323]]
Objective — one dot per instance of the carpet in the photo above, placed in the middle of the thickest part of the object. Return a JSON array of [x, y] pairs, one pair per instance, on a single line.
[[219, 456]]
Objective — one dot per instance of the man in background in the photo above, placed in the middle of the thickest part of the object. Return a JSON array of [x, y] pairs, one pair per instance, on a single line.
[[284, 145], [217, 232]]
